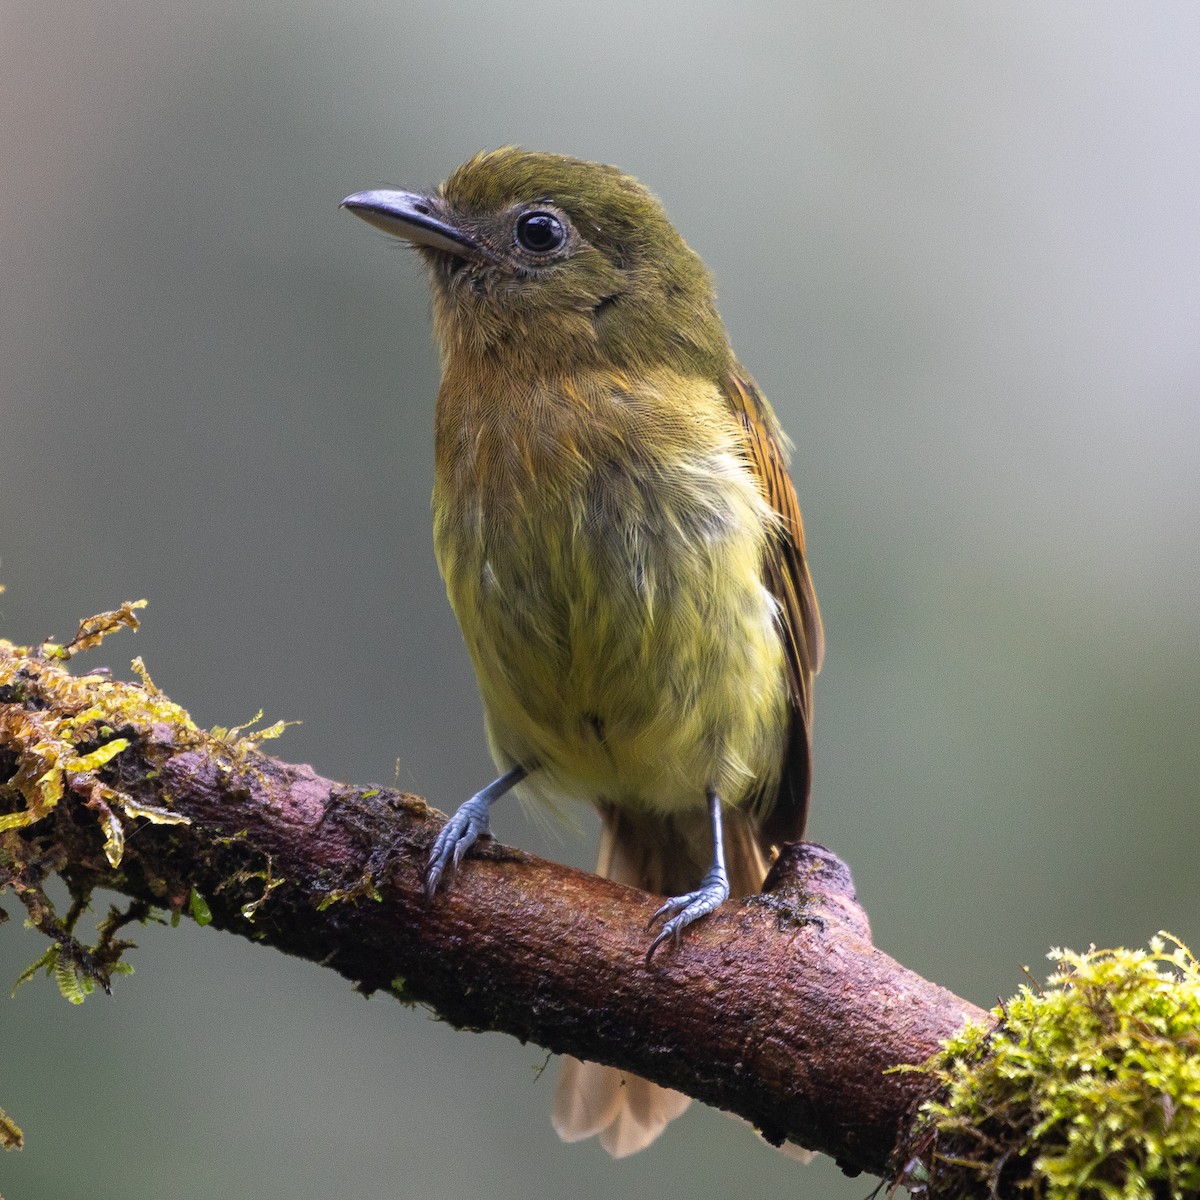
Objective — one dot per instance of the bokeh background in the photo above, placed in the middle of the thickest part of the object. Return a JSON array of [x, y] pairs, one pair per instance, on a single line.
[[957, 245]]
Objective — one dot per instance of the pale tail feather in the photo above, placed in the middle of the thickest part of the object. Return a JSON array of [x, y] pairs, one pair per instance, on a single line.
[[668, 856], [624, 1111]]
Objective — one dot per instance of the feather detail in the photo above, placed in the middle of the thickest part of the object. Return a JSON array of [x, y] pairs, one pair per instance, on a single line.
[[786, 575]]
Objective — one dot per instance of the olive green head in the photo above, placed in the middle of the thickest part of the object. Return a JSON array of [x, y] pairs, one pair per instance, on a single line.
[[556, 262]]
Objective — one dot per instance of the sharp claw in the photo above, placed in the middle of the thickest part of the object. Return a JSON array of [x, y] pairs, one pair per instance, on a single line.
[[457, 836], [435, 868], [463, 829], [672, 906], [680, 911], [654, 945], [463, 844]]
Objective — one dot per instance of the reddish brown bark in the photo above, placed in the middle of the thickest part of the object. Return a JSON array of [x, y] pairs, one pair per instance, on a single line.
[[779, 1009]]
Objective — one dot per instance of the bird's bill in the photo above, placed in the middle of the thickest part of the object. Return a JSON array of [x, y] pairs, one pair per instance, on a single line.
[[414, 217]]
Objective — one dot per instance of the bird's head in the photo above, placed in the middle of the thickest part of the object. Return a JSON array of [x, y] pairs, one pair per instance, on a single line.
[[554, 262]]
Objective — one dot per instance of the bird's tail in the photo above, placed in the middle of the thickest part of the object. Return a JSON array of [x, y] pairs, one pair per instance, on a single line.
[[667, 856]]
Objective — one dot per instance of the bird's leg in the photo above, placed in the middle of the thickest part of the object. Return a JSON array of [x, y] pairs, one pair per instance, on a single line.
[[460, 833], [681, 911]]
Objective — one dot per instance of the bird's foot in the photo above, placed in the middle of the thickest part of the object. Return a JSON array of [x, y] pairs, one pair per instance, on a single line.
[[463, 829], [458, 835], [680, 911]]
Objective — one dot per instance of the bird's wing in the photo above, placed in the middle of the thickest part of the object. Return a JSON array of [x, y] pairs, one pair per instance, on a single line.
[[786, 575]]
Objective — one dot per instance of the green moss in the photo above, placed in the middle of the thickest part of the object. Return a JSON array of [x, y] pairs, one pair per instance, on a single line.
[[399, 989], [11, 1137], [270, 882], [1088, 1089], [199, 909], [67, 737], [365, 888], [64, 733]]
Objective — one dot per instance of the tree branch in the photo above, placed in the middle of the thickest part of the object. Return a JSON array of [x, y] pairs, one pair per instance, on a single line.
[[778, 1009]]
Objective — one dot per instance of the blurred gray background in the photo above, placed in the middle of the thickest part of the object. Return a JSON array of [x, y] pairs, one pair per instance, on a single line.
[[956, 244]]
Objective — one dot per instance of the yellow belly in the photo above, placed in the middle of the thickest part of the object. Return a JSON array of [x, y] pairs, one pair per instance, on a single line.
[[622, 637]]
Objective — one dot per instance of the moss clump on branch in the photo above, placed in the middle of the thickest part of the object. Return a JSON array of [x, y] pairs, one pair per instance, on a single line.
[[63, 734], [1088, 1089], [65, 744]]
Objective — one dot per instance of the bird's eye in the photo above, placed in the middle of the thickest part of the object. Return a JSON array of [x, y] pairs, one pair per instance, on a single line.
[[540, 232]]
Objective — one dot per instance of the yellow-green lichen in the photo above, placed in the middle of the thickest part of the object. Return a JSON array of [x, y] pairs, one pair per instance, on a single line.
[[364, 888], [398, 988], [11, 1137], [66, 734], [64, 740], [1088, 1089], [198, 907], [239, 738], [249, 910], [75, 981], [63, 745]]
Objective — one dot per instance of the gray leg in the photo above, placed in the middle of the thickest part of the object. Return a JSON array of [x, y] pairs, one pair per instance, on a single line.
[[459, 833], [680, 911]]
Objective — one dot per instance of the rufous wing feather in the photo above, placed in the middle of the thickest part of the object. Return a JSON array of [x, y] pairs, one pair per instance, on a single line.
[[785, 573]]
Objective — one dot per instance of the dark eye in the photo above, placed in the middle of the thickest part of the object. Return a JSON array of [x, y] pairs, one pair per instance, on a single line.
[[540, 232]]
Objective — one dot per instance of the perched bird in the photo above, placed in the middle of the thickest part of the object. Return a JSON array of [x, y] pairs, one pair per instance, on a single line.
[[621, 544]]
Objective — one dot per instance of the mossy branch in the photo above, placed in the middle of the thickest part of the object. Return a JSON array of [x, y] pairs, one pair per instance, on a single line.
[[778, 1009]]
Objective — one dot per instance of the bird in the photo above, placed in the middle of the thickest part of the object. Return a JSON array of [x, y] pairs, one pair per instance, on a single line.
[[621, 544]]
